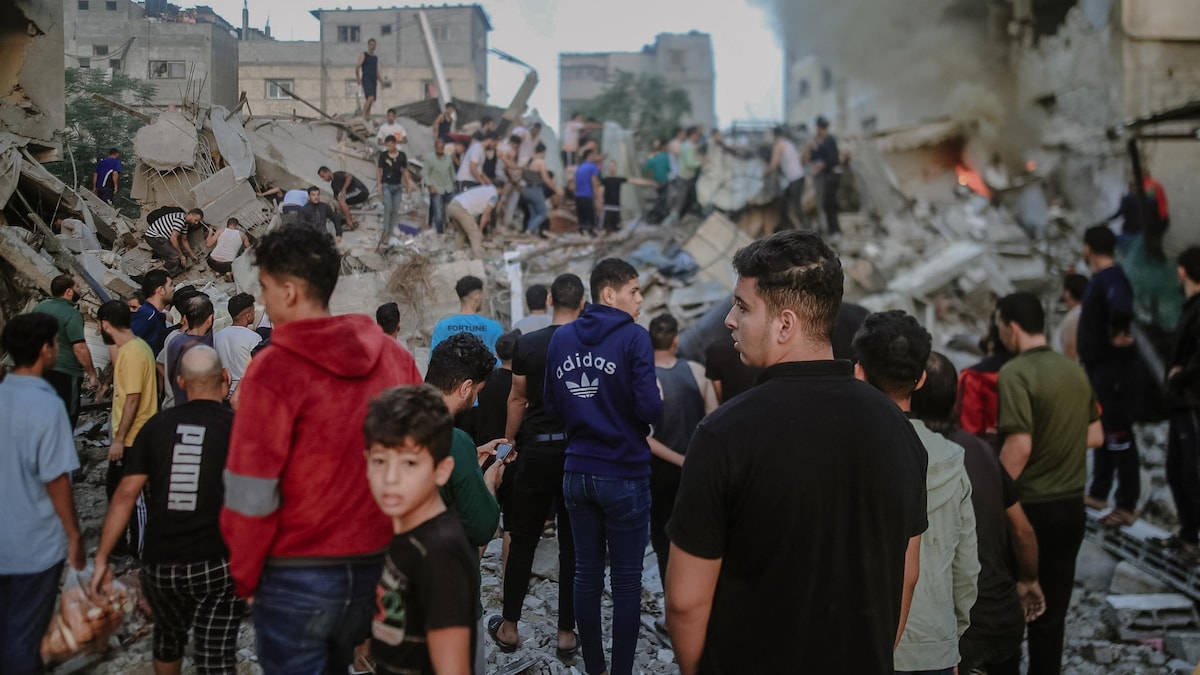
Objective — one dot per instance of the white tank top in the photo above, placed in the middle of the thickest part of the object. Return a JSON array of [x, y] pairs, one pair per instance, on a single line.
[[789, 163], [227, 245]]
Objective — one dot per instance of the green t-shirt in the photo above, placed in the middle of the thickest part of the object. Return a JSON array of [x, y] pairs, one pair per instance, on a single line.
[[70, 333], [468, 496], [1049, 397]]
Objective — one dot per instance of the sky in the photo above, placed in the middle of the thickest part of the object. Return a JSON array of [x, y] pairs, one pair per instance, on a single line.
[[748, 57]]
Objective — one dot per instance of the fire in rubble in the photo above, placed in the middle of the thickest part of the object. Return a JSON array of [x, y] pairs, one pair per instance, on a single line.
[[971, 180]]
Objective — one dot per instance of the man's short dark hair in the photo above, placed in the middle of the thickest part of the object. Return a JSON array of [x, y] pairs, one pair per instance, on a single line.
[[61, 284], [691, 130], [392, 110], [234, 222], [663, 331], [152, 281], [486, 120], [1101, 240], [388, 317], [539, 148], [611, 273], [585, 154], [797, 271], [567, 291], [389, 139], [239, 303], [196, 212], [934, 403], [535, 296], [197, 309], [312, 188], [1025, 310], [323, 170], [822, 123], [459, 358], [778, 132], [113, 151], [506, 345], [182, 295], [1075, 285], [116, 313], [892, 349], [514, 139], [1189, 260], [417, 413], [467, 285], [25, 335], [304, 253]]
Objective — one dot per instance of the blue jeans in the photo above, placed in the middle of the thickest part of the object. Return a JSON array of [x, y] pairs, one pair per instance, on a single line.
[[437, 211], [535, 201], [28, 603], [308, 620], [392, 196], [612, 514]]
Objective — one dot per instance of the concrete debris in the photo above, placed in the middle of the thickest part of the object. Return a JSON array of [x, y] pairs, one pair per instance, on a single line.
[[1136, 617], [168, 143], [32, 269]]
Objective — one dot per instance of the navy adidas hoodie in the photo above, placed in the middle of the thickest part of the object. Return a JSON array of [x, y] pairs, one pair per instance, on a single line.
[[600, 378]]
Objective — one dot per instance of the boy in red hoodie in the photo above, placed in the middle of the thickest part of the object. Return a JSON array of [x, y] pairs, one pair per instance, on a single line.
[[306, 540]]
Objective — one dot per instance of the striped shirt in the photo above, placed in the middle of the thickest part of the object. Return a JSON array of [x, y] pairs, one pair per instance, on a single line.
[[165, 225]]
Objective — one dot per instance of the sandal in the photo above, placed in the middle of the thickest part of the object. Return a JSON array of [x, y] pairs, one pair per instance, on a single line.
[[1118, 518], [568, 655], [493, 627]]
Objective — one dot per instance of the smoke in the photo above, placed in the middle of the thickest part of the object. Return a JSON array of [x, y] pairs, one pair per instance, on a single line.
[[902, 59]]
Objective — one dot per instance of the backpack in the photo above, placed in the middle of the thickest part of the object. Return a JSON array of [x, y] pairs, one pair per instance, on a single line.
[[160, 212]]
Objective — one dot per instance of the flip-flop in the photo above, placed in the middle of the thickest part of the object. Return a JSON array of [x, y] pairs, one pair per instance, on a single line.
[[568, 655], [493, 627]]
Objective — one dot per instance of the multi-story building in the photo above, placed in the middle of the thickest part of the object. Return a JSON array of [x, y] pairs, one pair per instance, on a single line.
[[681, 60], [323, 72], [156, 42]]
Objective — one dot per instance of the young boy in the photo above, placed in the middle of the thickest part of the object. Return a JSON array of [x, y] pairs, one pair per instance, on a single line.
[[425, 618]]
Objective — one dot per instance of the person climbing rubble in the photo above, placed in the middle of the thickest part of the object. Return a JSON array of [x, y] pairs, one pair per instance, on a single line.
[[167, 232], [348, 191]]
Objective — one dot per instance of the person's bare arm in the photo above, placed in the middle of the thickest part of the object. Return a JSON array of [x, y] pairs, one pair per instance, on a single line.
[[408, 181], [245, 240], [477, 174], [346, 185], [517, 401], [548, 180], [117, 450], [450, 650], [84, 356], [706, 387], [379, 178], [116, 180], [487, 216], [717, 388], [1095, 437], [213, 235], [1025, 550], [776, 158], [912, 571], [175, 242], [63, 500], [641, 181], [1014, 454], [119, 510], [664, 453], [358, 68], [690, 585]]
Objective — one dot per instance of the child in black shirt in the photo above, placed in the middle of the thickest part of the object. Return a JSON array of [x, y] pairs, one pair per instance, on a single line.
[[425, 617]]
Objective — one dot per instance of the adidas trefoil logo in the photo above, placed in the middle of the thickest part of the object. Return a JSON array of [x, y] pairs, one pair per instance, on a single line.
[[585, 388]]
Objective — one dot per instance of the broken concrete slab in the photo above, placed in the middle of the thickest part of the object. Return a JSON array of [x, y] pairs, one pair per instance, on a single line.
[[221, 196], [32, 269], [713, 246], [938, 270], [168, 143], [1145, 615]]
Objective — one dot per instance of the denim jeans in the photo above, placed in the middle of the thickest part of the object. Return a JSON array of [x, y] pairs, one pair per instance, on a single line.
[[308, 620], [610, 514], [1113, 383], [437, 211], [535, 201], [28, 603], [392, 197]]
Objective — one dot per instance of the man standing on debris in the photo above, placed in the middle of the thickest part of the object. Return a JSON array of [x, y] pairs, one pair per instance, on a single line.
[[892, 349], [538, 180], [1106, 351], [310, 558], [180, 456], [759, 560], [470, 171], [1048, 417], [74, 360], [149, 322], [1074, 287], [785, 159], [658, 166], [347, 190], [537, 319], [538, 478], [367, 72], [587, 185], [438, 177], [235, 342], [826, 163], [600, 378], [316, 214], [689, 169], [610, 195], [391, 128], [468, 320], [392, 176], [470, 212], [167, 232], [224, 247], [39, 527], [106, 176]]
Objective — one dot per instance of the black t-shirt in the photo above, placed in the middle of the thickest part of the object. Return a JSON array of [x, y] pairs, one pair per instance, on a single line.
[[808, 487], [393, 168], [339, 179], [612, 190], [530, 361], [430, 581], [182, 452], [997, 611], [849, 319], [723, 364], [485, 422], [827, 153]]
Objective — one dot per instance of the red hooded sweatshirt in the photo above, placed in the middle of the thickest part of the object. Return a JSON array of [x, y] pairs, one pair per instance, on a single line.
[[296, 477]]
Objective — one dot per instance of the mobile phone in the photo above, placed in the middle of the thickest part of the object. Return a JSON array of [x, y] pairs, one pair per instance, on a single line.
[[502, 451]]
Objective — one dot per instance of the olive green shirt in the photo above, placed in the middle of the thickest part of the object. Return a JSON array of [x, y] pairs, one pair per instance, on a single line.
[[1046, 395], [70, 333]]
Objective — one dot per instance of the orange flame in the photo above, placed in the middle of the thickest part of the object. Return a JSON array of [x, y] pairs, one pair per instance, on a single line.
[[972, 180]]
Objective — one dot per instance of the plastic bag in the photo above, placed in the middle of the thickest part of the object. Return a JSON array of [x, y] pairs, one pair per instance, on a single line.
[[84, 623]]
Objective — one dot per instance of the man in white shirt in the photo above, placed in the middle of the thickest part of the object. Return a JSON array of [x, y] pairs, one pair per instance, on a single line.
[[470, 212], [470, 171], [570, 139], [785, 159], [391, 128], [235, 342]]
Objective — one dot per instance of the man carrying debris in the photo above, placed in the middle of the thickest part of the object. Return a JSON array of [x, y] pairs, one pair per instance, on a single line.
[[785, 159], [392, 176], [106, 176], [317, 213], [468, 320], [149, 321], [309, 557], [180, 456], [600, 378], [165, 235], [764, 574], [471, 211], [39, 527], [892, 349], [367, 72], [224, 246], [74, 360], [347, 190], [1048, 416]]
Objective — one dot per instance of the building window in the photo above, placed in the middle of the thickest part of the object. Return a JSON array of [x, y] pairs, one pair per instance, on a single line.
[[803, 89], [85, 63], [168, 70], [678, 57], [275, 89], [99, 50], [441, 33], [826, 79], [385, 29], [115, 64], [593, 73], [83, 5], [348, 33], [110, 5]]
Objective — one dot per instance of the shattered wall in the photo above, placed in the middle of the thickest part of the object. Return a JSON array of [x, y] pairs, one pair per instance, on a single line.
[[32, 97]]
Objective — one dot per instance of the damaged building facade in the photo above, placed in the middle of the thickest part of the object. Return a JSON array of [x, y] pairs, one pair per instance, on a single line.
[[32, 100]]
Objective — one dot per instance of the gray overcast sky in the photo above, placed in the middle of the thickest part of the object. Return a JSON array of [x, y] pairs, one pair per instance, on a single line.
[[749, 61]]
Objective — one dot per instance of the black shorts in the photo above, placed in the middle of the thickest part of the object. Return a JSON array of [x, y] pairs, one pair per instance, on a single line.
[[585, 208], [612, 220], [355, 197], [369, 88]]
